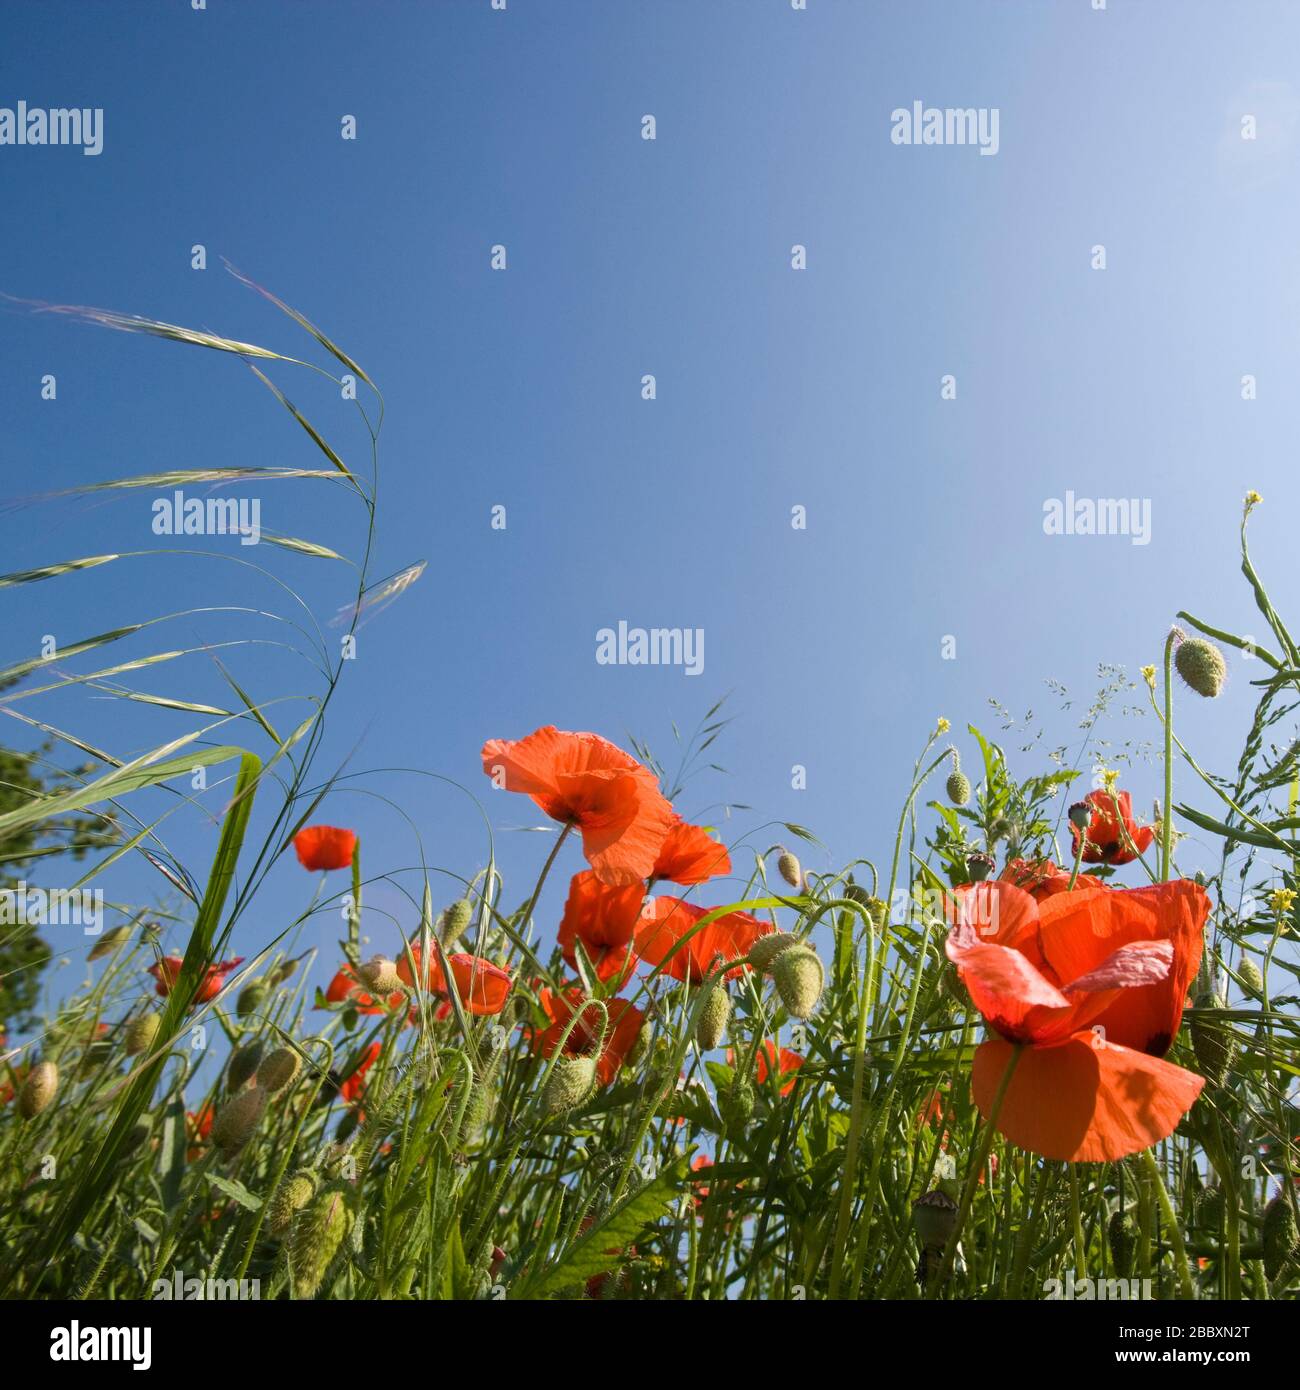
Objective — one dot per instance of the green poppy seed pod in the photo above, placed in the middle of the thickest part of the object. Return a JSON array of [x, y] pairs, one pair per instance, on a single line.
[[569, 1084], [1251, 978], [1213, 1041], [38, 1090], [1209, 1208], [109, 942], [766, 949], [1281, 1239], [799, 977], [280, 1069], [933, 1218], [237, 1120], [290, 1197], [1122, 1240], [141, 1032], [454, 921], [979, 866], [317, 1234], [713, 1018], [1201, 665], [281, 973], [1080, 815], [251, 998], [790, 869], [381, 975], [243, 1063], [958, 792]]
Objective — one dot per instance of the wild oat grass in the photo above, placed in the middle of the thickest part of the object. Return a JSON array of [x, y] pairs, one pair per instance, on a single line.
[[724, 1113]]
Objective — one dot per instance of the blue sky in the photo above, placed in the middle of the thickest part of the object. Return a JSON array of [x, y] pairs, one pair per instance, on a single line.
[[776, 388]]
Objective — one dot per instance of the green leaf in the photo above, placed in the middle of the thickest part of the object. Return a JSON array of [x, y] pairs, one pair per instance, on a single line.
[[236, 1191]]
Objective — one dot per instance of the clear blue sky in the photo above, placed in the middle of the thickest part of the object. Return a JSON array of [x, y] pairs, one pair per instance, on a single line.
[[776, 388]]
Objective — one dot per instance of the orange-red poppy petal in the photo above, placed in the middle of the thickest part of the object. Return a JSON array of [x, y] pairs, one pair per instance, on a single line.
[[324, 847], [1083, 1101], [689, 854]]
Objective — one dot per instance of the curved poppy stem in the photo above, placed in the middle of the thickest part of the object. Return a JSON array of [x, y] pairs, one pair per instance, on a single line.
[[1167, 819], [940, 1276], [1152, 1168]]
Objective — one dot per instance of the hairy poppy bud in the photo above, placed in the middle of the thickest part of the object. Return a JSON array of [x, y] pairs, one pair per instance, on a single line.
[[980, 865], [1080, 815], [282, 972], [799, 976], [713, 1018], [569, 1084], [1249, 973], [237, 1120], [1209, 1208], [1213, 1041], [280, 1069], [790, 869], [141, 1032], [1201, 665], [251, 998], [109, 942], [736, 1104], [1281, 1240], [1122, 1240], [38, 1089], [381, 975], [290, 1197], [637, 1054], [243, 1063], [933, 1218], [958, 792], [766, 949], [476, 1110], [317, 1235], [453, 922]]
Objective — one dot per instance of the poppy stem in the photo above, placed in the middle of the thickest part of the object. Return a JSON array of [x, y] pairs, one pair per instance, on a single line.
[[1175, 1231], [1078, 860], [940, 1276], [546, 869], [1167, 819]]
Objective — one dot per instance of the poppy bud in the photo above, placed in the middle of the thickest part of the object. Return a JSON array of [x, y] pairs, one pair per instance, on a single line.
[[799, 976], [109, 942], [1201, 665], [290, 1197], [38, 1090], [958, 792], [317, 1235], [141, 1032], [381, 975], [250, 999], [1080, 815], [1251, 978], [476, 1111], [1122, 1240], [933, 1218], [1209, 1208], [453, 922], [980, 865], [237, 1119], [243, 1063], [736, 1104], [1281, 1240], [282, 972], [713, 1018], [766, 949], [280, 1069], [856, 893], [1213, 1042], [790, 869], [569, 1084]]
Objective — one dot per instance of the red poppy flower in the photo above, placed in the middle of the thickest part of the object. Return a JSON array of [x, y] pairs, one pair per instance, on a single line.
[[325, 847], [698, 1164], [689, 854], [1113, 836], [346, 986], [1042, 878], [604, 919], [355, 1083], [167, 971], [198, 1127], [1092, 986], [622, 1032], [766, 1058], [669, 922], [584, 780], [482, 987]]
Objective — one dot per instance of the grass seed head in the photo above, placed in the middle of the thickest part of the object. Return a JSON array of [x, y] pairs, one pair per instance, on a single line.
[[1201, 665], [38, 1090], [713, 1018], [799, 977], [280, 1069], [141, 1032], [237, 1120]]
